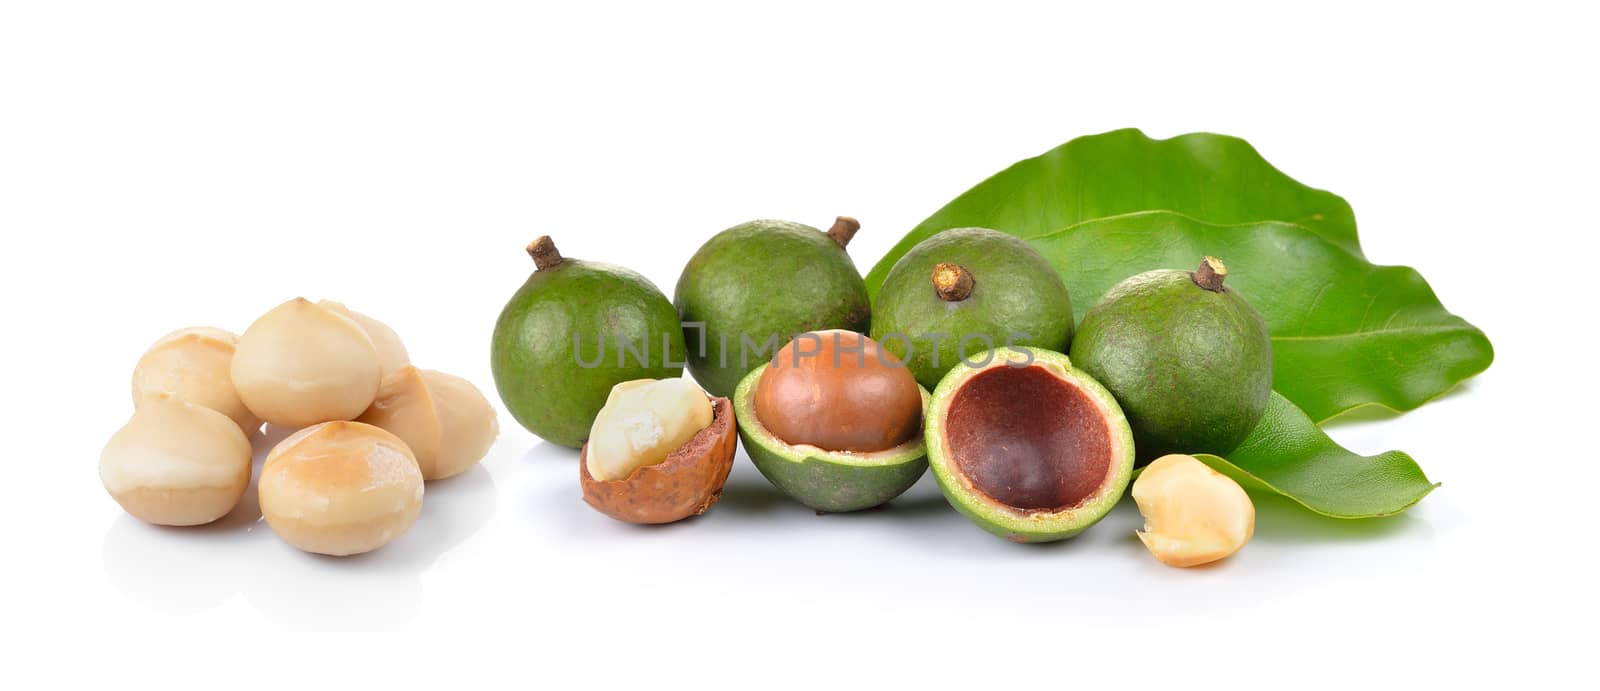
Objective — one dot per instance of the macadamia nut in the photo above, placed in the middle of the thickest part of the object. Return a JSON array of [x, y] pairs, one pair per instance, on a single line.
[[445, 420], [392, 353], [301, 364], [1192, 514], [642, 422], [340, 488], [194, 365], [838, 390], [176, 463]]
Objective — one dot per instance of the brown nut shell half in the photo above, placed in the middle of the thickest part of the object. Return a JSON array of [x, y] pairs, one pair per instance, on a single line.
[[686, 484]]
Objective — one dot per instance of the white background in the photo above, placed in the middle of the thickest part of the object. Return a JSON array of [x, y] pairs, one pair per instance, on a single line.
[[168, 164]]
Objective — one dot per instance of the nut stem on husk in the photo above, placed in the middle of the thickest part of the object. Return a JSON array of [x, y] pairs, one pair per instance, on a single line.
[[844, 228], [544, 253], [1211, 274], [952, 282]]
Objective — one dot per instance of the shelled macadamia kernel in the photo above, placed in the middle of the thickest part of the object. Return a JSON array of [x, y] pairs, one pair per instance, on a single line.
[[176, 463], [341, 488]]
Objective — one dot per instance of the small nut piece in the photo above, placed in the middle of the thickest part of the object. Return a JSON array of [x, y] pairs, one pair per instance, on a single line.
[[659, 451], [1192, 514], [340, 488], [392, 353], [445, 420], [301, 364], [176, 463], [193, 364]]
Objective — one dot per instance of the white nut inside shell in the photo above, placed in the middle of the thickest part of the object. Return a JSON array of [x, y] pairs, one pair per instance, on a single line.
[[301, 364], [194, 364], [340, 488], [644, 421], [446, 421], [1192, 514], [176, 463], [392, 353]]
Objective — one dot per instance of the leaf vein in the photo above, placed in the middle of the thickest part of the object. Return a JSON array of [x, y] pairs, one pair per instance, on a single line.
[[1381, 332]]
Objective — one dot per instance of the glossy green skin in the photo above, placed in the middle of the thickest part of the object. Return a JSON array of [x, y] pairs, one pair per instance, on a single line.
[[1191, 367], [826, 481], [763, 279], [1004, 521], [1017, 299], [535, 368]]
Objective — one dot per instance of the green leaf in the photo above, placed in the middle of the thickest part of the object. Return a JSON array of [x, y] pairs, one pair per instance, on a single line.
[[1208, 176], [1287, 454], [1345, 332]]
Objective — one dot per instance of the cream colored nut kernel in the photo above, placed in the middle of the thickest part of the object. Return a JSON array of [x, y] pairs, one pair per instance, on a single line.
[[176, 463], [301, 364], [642, 422], [1192, 514], [445, 420], [194, 365], [392, 353], [340, 488]]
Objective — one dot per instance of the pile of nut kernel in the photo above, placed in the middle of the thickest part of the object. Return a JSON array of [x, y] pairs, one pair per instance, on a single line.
[[371, 428]]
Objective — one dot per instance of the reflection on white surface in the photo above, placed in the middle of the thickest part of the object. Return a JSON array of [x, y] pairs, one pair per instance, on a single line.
[[191, 570], [755, 541]]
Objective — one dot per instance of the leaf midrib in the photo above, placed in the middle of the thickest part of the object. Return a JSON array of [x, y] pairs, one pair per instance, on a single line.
[[1154, 212], [1437, 328]]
